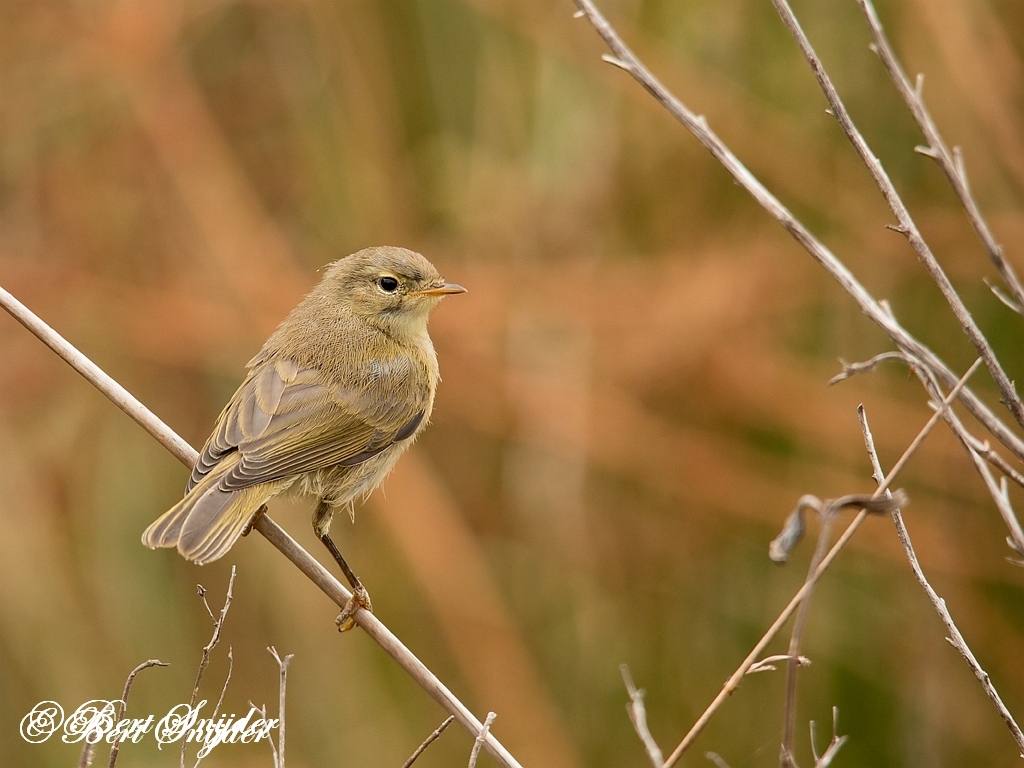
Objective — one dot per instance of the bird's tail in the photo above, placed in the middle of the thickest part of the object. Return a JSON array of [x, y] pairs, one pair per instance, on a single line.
[[209, 520]]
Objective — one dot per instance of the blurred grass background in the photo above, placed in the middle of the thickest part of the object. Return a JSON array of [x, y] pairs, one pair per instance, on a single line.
[[634, 388]]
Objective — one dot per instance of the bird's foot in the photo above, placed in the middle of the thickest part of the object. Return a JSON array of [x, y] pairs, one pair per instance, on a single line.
[[252, 521], [360, 599]]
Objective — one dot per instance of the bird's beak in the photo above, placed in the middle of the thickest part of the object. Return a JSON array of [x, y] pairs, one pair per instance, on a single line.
[[439, 289]]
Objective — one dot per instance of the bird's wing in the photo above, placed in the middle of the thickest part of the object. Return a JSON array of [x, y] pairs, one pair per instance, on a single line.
[[285, 420]]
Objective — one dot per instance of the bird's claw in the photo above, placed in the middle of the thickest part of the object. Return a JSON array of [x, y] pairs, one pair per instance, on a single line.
[[252, 521], [360, 599]]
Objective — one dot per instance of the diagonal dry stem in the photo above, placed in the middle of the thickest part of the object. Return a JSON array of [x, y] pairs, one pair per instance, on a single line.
[[428, 741]]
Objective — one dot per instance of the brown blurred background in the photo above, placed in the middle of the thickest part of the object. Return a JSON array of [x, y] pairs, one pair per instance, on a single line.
[[634, 389]]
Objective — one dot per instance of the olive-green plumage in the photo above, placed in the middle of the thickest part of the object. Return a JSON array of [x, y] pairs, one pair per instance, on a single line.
[[338, 392]]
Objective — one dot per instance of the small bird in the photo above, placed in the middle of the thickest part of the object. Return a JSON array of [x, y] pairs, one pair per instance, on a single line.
[[339, 391]]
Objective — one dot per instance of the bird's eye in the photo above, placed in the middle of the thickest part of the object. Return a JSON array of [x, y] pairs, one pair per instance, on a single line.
[[388, 284]]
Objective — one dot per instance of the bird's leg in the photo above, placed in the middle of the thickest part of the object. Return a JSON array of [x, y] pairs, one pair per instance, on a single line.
[[252, 521], [360, 597]]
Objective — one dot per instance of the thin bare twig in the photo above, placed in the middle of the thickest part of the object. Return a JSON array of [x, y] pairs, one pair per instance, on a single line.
[[220, 699], [997, 491], [951, 163], [227, 681], [89, 748], [767, 664], [218, 624], [905, 222], [998, 292], [734, 681], [876, 310], [716, 758], [833, 747], [979, 453], [428, 741], [956, 639], [85, 758], [270, 530], [204, 662], [480, 738], [282, 668], [270, 739], [826, 516], [1001, 495], [852, 369], [638, 716], [941, 408], [117, 394], [982, 447], [116, 746]]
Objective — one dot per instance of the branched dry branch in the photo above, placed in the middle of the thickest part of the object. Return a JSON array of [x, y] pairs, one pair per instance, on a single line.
[[951, 163], [428, 741], [204, 662], [734, 681], [998, 491], [825, 760], [876, 310], [638, 716], [276, 535], [218, 624], [905, 222], [982, 447], [956, 639], [779, 550]]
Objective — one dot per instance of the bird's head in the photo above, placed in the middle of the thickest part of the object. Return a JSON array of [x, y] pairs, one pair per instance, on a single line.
[[388, 286]]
